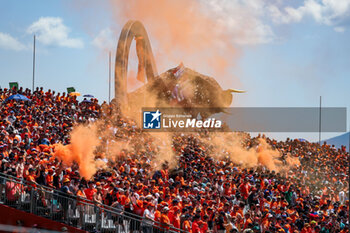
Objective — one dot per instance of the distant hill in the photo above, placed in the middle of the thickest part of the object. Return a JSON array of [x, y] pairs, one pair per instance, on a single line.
[[338, 141]]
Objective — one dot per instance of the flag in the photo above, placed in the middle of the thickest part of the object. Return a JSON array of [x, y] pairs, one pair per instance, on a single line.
[[13, 84], [70, 89]]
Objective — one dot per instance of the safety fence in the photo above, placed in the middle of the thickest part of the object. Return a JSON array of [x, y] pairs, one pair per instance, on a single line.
[[73, 210]]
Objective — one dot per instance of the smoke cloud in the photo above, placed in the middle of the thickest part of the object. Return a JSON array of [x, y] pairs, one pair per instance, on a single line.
[[234, 146], [180, 31], [183, 31], [81, 150], [86, 139]]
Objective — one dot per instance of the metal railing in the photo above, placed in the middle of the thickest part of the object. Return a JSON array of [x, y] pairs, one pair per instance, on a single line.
[[73, 210]]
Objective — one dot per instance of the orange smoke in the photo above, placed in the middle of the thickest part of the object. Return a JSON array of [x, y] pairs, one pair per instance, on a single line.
[[267, 156], [230, 145], [81, 150], [181, 30], [133, 82], [292, 161], [166, 152]]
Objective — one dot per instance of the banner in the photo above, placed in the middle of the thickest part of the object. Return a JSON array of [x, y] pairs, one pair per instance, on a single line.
[[13, 84], [70, 89]]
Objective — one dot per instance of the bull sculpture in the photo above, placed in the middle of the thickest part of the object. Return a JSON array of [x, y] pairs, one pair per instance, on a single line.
[[177, 87]]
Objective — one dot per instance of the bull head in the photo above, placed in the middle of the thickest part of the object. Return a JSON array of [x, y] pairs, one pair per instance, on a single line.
[[180, 86]]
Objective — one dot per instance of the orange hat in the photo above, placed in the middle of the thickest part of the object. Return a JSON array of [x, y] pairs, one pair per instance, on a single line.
[[66, 180]]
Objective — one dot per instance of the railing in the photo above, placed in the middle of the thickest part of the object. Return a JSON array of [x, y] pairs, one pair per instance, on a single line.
[[73, 210]]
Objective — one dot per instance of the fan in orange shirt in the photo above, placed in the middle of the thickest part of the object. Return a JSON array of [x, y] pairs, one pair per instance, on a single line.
[[196, 224], [89, 192], [164, 219], [306, 228], [32, 177], [174, 217], [247, 220], [157, 216], [186, 225], [245, 188], [49, 178], [204, 224]]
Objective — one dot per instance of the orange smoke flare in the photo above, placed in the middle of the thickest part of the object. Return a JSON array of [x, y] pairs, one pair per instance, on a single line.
[[81, 150]]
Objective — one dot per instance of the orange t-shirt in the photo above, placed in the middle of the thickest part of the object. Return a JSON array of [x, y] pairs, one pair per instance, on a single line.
[[247, 222], [157, 217], [204, 228], [175, 221], [89, 193], [164, 220], [123, 200], [187, 226], [49, 180], [244, 189], [80, 194], [31, 178]]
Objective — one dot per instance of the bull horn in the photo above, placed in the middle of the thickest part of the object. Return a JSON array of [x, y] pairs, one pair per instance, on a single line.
[[236, 91], [132, 29]]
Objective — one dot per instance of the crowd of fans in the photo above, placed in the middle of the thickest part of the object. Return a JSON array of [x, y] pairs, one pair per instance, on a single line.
[[198, 194]]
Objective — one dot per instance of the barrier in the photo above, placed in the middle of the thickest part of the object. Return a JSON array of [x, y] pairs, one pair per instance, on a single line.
[[73, 210]]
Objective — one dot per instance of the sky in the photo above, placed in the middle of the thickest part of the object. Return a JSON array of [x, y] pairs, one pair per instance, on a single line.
[[288, 53]]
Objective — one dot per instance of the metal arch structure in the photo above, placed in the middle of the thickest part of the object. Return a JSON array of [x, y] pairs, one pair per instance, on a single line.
[[133, 29]]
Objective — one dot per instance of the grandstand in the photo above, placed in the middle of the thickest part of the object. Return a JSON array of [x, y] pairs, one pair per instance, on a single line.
[[202, 192]]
